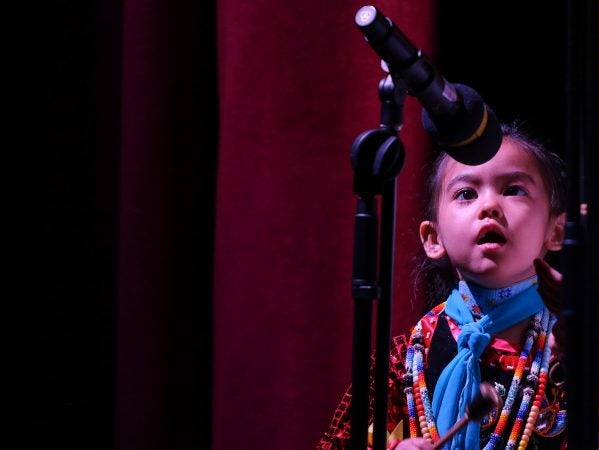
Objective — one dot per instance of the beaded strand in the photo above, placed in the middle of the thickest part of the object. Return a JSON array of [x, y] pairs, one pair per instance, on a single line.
[[543, 374], [531, 382], [409, 392], [428, 425], [420, 415], [536, 331]]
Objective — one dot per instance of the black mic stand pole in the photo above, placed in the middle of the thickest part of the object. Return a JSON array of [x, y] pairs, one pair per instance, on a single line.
[[579, 257], [377, 157]]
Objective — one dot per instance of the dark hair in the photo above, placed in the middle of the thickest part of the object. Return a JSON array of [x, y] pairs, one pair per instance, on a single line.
[[437, 275]]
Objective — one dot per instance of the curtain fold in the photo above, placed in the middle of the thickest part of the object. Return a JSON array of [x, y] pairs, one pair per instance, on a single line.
[[166, 208]]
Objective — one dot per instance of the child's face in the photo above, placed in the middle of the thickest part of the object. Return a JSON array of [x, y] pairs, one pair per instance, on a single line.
[[493, 219]]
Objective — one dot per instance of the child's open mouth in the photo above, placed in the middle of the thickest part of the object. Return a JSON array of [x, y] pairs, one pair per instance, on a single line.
[[491, 237]]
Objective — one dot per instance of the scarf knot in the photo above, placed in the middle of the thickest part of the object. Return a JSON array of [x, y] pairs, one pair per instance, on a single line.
[[473, 338]]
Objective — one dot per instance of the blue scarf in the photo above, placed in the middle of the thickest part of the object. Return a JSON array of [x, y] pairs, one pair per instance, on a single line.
[[459, 382]]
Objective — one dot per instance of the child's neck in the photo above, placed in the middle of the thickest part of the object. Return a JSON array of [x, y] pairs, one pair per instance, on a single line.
[[516, 333], [481, 300]]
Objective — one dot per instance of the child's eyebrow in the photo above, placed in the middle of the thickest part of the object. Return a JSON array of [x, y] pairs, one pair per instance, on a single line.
[[465, 178], [516, 175]]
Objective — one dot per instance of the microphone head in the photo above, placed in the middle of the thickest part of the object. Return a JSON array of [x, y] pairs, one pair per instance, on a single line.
[[472, 135]]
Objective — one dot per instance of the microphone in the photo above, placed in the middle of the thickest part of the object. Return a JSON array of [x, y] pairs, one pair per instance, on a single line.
[[454, 115]]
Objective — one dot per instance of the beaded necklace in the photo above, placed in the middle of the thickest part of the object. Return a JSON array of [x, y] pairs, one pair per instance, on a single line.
[[420, 415]]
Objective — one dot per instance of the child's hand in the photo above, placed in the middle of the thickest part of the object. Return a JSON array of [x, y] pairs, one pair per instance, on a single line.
[[412, 444], [550, 283]]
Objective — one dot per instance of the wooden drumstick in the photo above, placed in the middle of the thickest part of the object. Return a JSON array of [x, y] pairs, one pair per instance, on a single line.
[[481, 405]]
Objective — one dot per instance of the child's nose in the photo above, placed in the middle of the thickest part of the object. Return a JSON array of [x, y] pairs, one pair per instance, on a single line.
[[490, 207]]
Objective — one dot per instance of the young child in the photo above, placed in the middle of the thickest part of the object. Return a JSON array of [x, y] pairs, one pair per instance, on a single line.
[[487, 230]]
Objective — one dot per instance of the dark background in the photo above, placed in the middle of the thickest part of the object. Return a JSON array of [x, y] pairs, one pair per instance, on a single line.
[[514, 55]]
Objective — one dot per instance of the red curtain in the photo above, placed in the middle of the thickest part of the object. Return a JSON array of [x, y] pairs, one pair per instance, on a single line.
[[181, 304], [297, 84]]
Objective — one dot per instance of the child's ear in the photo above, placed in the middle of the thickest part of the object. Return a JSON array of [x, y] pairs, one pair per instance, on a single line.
[[433, 247], [556, 233]]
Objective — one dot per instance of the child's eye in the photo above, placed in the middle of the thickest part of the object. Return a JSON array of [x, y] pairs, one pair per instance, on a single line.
[[514, 190], [465, 194]]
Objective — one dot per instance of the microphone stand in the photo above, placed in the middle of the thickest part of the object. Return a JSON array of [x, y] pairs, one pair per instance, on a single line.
[[377, 156], [580, 250]]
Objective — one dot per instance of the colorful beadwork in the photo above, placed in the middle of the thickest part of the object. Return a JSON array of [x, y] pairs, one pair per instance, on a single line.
[[537, 332], [420, 414]]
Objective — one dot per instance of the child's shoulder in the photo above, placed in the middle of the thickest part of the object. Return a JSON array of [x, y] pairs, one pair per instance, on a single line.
[[436, 310], [428, 321]]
